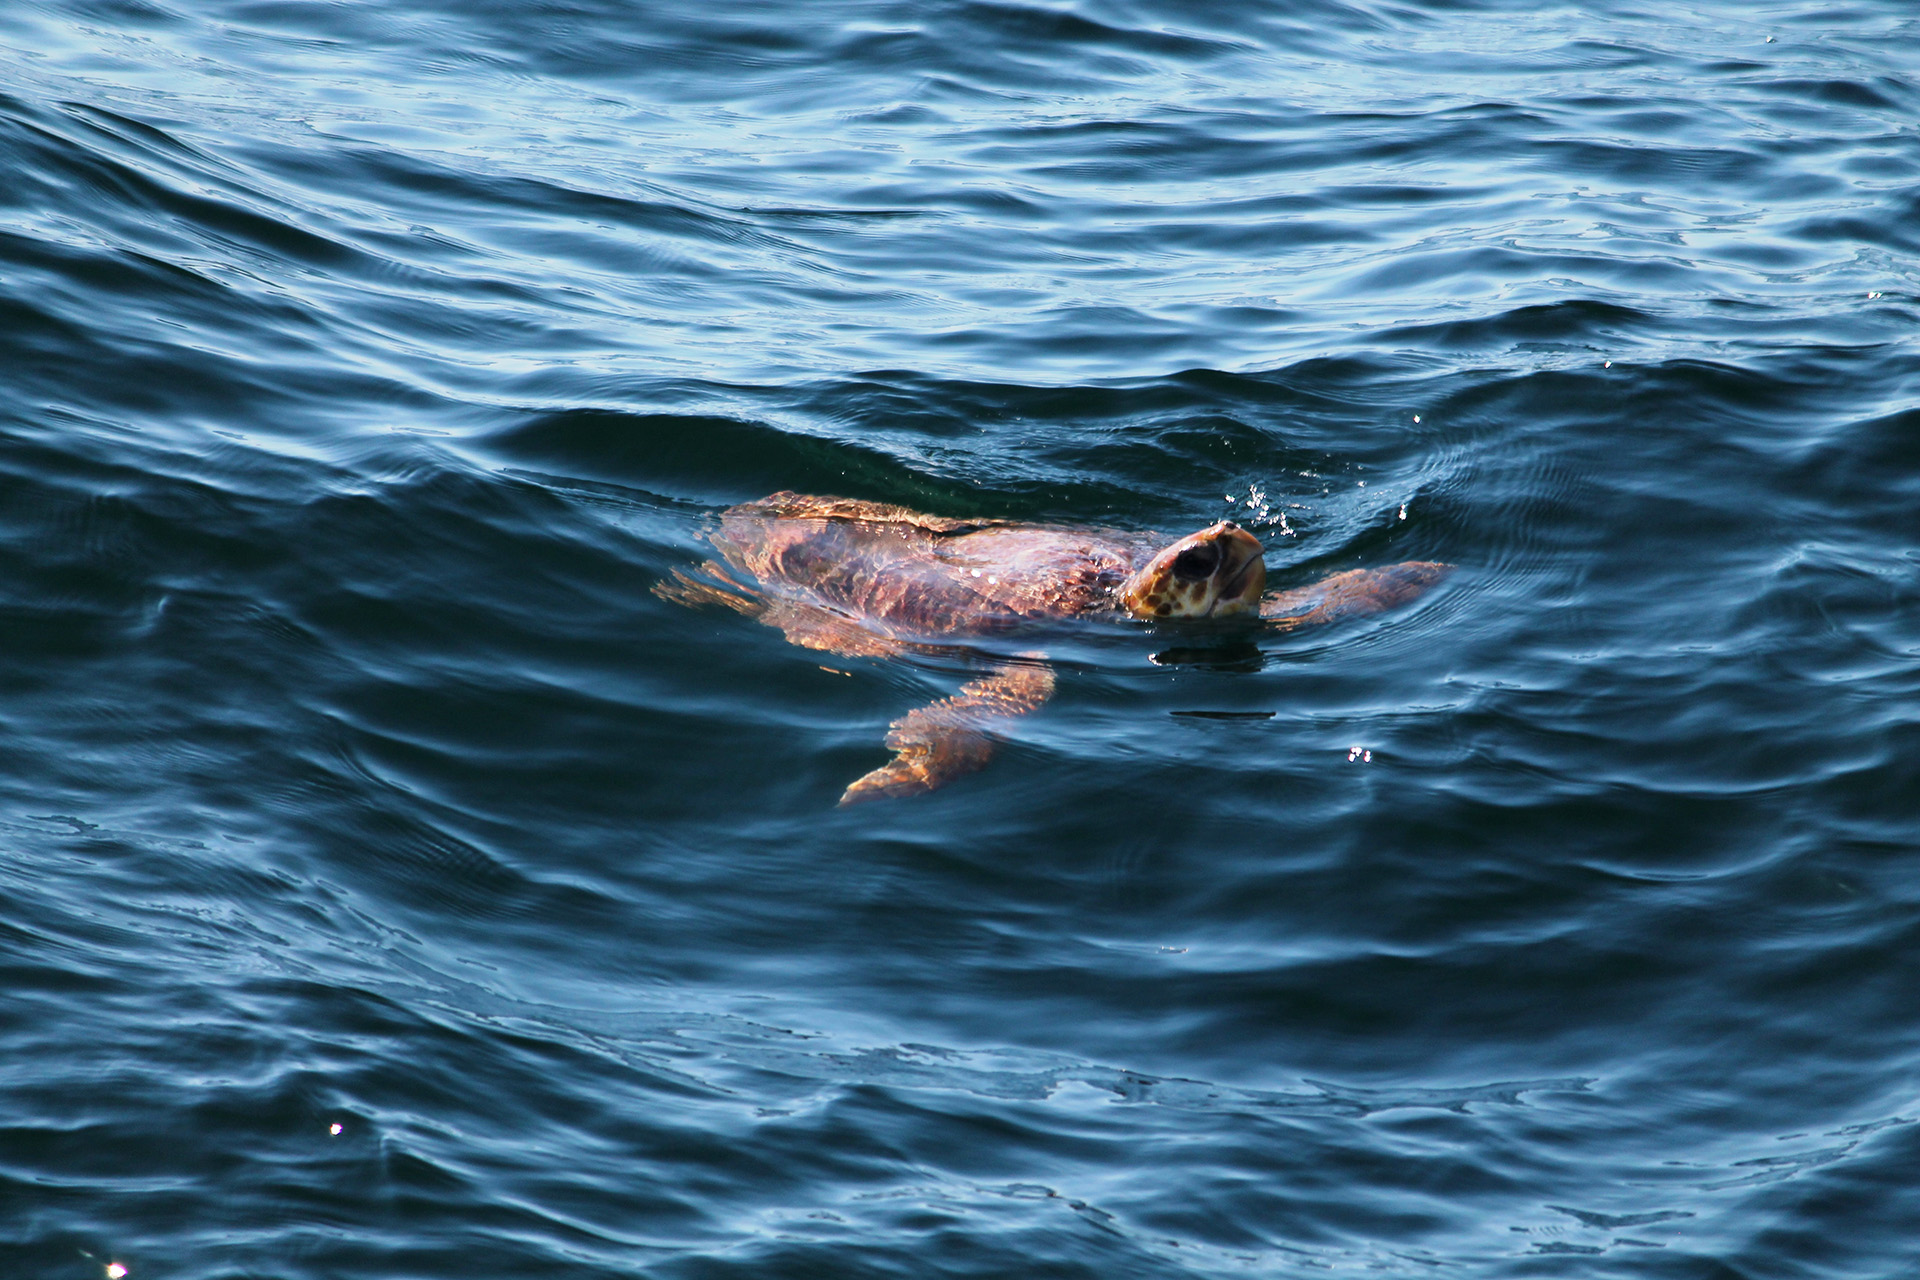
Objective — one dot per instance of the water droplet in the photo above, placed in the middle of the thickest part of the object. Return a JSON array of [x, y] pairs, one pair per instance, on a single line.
[[115, 1271], [1416, 417], [336, 1128]]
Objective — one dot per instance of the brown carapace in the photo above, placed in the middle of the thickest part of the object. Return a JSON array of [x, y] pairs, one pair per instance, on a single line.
[[869, 579]]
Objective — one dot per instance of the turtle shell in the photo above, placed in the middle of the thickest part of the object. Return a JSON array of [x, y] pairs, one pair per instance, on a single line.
[[911, 574]]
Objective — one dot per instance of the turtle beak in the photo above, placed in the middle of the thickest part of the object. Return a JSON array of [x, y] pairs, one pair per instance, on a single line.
[[1243, 573]]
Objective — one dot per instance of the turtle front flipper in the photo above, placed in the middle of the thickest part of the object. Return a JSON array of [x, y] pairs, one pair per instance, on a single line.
[[934, 744], [1352, 594]]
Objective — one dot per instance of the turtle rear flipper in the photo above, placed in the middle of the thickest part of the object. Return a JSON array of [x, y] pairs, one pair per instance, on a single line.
[[812, 627], [807, 625], [716, 588], [937, 743]]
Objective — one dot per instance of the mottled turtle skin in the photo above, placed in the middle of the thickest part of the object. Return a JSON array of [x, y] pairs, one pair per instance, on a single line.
[[867, 578]]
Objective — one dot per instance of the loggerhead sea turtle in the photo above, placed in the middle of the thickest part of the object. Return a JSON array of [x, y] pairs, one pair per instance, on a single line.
[[866, 578]]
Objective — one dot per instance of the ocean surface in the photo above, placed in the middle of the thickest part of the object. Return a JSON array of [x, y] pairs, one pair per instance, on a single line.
[[392, 886]]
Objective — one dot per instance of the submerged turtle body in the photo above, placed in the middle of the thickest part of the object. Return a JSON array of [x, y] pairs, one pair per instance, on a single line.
[[867, 578], [901, 573]]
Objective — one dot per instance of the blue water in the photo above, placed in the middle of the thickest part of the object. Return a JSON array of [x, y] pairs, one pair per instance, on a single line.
[[393, 886]]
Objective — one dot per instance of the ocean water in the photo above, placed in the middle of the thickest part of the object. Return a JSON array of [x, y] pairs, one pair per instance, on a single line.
[[392, 886]]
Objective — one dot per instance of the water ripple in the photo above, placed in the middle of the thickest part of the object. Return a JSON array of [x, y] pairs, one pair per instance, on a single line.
[[392, 884]]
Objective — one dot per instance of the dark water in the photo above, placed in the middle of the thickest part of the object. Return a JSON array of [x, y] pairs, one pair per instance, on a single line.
[[394, 887]]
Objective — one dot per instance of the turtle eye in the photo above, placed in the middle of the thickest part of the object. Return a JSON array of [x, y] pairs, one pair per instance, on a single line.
[[1196, 563]]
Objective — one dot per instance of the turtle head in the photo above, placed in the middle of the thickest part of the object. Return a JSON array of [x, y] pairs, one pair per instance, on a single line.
[[1210, 574]]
